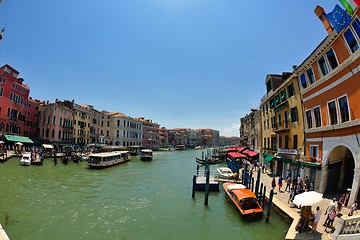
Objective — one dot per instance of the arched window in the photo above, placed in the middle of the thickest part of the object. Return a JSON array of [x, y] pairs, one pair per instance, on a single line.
[[53, 133], [59, 135]]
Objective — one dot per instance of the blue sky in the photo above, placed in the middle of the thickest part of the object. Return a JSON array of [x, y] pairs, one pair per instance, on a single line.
[[181, 63]]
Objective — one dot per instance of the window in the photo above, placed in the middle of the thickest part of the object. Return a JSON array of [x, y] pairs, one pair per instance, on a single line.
[[1, 91], [309, 119], [356, 26], [272, 103], [294, 114], [291, 90], [264, 142], [344, 109], [286, 119], [314, 151], [332, 113], [303, 81], [295, 137], [283, 96], [323, 66], [280, 142], [332, 59], [264, 125], [317, 115], [277, 100], [351, 41], [279, 120], [310, 75], [286, 142]]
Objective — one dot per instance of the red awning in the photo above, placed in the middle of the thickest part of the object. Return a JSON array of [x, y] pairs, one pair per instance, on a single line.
[[234, 155], [250, 153]]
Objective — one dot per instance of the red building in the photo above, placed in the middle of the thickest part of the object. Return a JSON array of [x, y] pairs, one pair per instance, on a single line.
[[18, 112]]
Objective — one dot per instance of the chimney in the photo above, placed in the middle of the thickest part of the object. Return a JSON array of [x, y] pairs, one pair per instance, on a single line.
[[320, 13]]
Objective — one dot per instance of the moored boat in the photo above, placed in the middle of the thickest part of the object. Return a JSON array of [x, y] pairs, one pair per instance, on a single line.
[[225, 173], [25, 159], [146, 154], [209, 161], [108, 159], [243, 200]]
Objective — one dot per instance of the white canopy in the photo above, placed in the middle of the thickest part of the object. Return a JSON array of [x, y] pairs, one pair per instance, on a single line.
[[19, 143], [308, 198], [48, 146], [236, 187]]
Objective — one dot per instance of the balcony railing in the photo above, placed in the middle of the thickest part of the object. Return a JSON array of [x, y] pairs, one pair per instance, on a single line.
[[281, 126]]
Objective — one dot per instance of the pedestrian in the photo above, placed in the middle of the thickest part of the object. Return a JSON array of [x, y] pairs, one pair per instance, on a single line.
[[341, 202], [353, 208], [330, 221], [273, 184], [291, 192], [330, 207], [280, 182], [288, 182], [263, 168], [317, 216], [311, 186]]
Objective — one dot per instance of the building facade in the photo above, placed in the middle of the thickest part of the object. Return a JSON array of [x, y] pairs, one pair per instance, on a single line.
[[82, 119], [330, 89], [18, 112], [151, 137], [55, 123]]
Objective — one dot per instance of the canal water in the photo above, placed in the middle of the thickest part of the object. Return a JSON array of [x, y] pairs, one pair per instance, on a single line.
[[134, 200]]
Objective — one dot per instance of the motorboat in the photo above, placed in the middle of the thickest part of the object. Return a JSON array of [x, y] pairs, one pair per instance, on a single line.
[[146, 154], [224, 172], [243, 200], [25, 159], [108, 159]]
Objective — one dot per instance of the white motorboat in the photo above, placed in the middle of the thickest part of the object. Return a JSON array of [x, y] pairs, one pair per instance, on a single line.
[[146, 155], [224, 172], [25, 159]]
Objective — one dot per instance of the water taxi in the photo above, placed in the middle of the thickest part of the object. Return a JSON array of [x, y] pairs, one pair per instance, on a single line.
[[146, 154], [225, 173], [243, 200], [108, 159]]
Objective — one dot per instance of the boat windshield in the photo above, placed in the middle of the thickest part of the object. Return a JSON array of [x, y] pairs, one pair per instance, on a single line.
[[249, 203]]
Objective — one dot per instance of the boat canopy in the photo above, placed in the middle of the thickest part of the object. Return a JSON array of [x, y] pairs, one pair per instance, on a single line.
[[236, 155], [232, 187], [48, 146]]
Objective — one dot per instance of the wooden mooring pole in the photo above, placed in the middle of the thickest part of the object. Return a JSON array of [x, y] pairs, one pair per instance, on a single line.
[[193, 188], [263, 198], [207, 171], [269, 205]]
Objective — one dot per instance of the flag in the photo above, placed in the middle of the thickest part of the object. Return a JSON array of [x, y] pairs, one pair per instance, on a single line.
[[350, 5], [338, 18]]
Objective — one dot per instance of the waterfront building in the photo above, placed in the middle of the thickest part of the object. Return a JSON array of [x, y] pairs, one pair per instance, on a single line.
[[150, 133], [164, 137], [178, 136], [55, 123], [122, 130], [82, 119], [210, 137], [330, 89], [229, 141], [250, 130], [95, 135], [18, 112], [282, 127]]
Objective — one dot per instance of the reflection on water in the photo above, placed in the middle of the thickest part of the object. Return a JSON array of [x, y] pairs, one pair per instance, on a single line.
[[135, 200]]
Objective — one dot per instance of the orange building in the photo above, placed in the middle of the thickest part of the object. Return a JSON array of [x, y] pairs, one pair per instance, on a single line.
[[329, 79]]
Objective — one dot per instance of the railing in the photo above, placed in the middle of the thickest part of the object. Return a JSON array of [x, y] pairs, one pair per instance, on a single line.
[[283, 125], [348, 228]]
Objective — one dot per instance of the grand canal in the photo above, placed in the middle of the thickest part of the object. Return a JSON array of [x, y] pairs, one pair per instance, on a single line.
[[135, 200]]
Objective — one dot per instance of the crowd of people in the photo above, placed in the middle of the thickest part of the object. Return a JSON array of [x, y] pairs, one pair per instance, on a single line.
[[309, 219]]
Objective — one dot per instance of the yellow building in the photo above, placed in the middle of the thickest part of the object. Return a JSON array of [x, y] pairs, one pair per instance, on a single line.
[[282, 126]]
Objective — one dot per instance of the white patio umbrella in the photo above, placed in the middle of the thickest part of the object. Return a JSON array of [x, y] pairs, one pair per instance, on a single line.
[[19, 143], [308, 198]]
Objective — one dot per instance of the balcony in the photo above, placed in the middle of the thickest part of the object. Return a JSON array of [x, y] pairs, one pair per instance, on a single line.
[[281, 126]]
